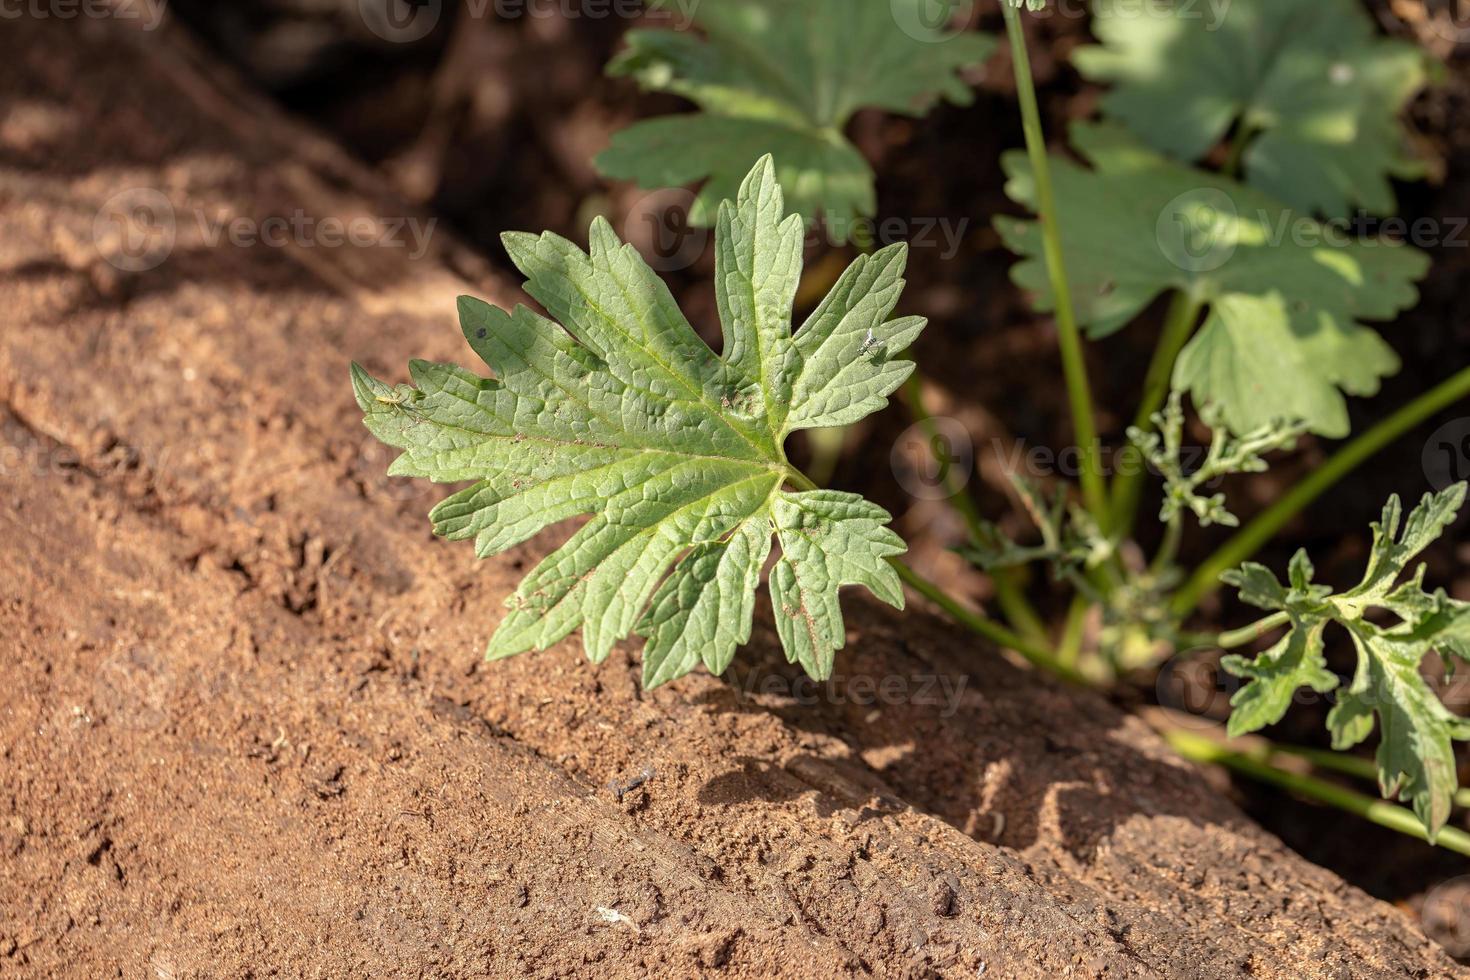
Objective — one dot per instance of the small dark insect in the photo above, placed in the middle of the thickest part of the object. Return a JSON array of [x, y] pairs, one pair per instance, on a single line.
[[622, 789]]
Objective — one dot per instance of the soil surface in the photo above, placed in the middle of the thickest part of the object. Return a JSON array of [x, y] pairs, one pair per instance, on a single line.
[[245, 728]]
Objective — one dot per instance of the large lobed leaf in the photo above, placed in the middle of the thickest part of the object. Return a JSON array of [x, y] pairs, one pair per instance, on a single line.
[[1416, 759], [1284, 338], [1313, 86], [616, 408], [784, 77]]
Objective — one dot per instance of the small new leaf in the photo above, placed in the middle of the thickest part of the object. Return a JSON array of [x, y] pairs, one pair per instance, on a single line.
[[1071, 541], [1416, 760], [784, 77], [1284, 338], [1314, 88], [617, 409], [1227, 455]]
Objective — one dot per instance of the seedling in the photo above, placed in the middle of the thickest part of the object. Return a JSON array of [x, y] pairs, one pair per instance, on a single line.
[[622, 412], [613, 409]]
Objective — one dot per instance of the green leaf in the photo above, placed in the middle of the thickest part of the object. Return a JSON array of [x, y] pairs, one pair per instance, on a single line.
[[1274, 676], [828, 540], [1163, 448], [1416, 756], [1392, 551], [785, 77], [615, 408], [1416, 759], [1283, 340], [1315, 88]]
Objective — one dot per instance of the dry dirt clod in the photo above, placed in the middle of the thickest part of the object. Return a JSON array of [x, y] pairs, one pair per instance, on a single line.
[[942, 897]]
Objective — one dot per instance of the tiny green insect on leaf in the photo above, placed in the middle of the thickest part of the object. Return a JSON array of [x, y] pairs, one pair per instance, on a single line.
[[617, 409], [785, 77], [1416, 759], [1313, 88]]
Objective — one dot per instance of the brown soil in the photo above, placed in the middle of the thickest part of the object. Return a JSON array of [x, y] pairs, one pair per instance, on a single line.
[[246, 732]]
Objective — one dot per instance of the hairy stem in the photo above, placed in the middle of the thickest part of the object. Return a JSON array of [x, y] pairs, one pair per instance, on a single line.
[[1179, 326], [1074, 366], [1206, 578], [1249, 634], [1070, 652], [1169, 547], [1257, 766], [1037, 653], [1350, 765], [1008, 594]]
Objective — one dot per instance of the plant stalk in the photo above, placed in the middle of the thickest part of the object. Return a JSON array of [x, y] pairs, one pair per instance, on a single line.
[[1008, 594], [1179, 324], [1200, 749], [1249, 634], [1074, 365], [1037, 653], [1351, 765], [1250, 539]]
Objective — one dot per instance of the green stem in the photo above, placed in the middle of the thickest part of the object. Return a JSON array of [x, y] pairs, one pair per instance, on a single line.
[[1249, 634], [1257, 766], [1179, 326], [1071, 647], [1169, 548], [1016, 608], [1037, 653], [1008, 594], [1350, 765], [1239, 143], [1074, 365], [800, 479], [913, 393], [1251, 538]]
